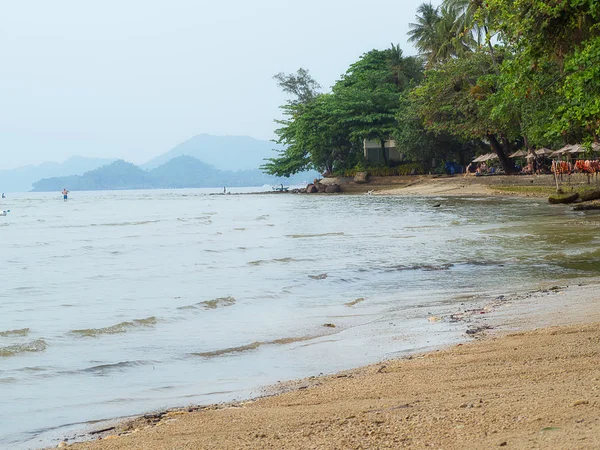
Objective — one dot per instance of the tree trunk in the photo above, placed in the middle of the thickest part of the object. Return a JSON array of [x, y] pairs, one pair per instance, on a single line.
[[383, 156], [506, 163]]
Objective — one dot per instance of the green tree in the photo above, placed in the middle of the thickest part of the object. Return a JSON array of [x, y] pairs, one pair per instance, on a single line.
[[457, 99]]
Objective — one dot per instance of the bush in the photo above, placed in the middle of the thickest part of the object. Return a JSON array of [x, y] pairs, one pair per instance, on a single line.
[[384, 171]]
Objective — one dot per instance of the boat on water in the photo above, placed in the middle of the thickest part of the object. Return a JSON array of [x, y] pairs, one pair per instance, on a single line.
[[281, 188]]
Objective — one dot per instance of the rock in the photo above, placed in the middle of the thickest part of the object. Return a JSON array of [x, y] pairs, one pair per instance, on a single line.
[[329, 325], [587, 206], [361, 177], [587, 196], [311, 189], [320, 187], [62, 444], [580, 402], [332, 188], [567, 198]]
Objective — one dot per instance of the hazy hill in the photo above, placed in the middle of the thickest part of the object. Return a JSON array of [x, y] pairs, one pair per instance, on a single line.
[[21, 179], [117, 175], [186, 171], [180, 172], [223, 152]]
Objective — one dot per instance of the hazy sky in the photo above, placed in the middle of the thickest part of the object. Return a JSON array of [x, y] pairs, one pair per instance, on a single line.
[[133, 78]]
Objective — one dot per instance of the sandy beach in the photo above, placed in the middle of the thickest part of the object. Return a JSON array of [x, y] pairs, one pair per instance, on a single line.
[[538, 387]]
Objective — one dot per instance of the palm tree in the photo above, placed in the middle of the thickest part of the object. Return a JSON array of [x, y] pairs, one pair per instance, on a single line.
[[454, 42], [471, 23], [423, 33], [438, 33]]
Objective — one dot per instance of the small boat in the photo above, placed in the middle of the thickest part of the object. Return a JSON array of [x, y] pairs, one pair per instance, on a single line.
[[281, 188]]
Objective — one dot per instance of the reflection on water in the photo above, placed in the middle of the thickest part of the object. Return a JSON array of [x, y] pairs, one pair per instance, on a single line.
[[116, 303]]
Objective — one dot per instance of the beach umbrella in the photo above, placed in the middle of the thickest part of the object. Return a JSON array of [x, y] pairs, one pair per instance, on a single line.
[[491, 156], [518, 154], [543, 151], [560, 151], [478, 159], [577, 149]]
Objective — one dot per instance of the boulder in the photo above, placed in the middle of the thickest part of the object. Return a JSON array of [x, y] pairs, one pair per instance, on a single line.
[[311, 189], [565, 198], [361, 177], [332, 188], [586, 196], [321, 187]]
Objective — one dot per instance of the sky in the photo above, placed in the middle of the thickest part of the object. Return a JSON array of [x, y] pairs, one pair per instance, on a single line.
[[133, 78]]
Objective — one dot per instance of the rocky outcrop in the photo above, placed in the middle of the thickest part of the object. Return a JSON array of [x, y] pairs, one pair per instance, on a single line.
[[332, 189], [311, 189]]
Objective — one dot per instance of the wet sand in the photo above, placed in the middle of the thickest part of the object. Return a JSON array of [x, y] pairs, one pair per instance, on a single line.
[[534, 388]]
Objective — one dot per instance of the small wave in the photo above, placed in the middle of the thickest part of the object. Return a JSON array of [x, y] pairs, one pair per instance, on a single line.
[[101, 369], [266, 261], [240, 229], [20, 332], [39, 345], [123, 224], [211, 304], [7, 380], [118, 328], [253, 346], [426, 267], [263, 217], [302, 236]]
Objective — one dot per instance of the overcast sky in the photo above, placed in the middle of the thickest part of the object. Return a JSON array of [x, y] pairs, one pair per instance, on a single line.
[[133, 78]]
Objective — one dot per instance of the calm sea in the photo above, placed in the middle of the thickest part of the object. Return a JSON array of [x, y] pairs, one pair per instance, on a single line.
[[116, 303]]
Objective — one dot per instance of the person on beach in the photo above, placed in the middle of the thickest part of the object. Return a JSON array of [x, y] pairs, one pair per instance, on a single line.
[[468, 170], [65, 194]]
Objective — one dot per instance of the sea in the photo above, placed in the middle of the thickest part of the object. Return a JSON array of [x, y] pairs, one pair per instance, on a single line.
[[116, 303]]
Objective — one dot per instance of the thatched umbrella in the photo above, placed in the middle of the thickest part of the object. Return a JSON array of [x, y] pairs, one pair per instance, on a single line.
[[518, 154], [577, 149], [561, 151], [543, 151]]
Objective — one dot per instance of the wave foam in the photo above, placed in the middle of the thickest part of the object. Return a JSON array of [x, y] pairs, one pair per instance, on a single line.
[[122, 327], [39, 345]]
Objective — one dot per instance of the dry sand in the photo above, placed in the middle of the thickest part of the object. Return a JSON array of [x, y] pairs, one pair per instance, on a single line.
[[537, 388], [427, 185]]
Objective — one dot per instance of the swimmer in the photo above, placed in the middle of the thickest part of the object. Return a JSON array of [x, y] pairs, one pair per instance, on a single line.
[[65, 194]]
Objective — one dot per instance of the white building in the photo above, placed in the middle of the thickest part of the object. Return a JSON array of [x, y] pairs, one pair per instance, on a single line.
[[373, 153]]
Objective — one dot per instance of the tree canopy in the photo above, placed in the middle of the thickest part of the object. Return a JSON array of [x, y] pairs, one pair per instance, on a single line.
[[502, 74]]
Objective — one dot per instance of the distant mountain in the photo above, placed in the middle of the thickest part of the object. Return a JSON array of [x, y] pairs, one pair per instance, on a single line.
[[180, 172], [21, 179], [223, 152], [117, 175]]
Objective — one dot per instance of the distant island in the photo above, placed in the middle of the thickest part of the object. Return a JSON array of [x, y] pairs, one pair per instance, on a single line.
[[180, 172], [203, 160]]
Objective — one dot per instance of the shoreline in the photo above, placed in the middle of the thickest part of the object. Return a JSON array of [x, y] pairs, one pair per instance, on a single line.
[[494, 324]]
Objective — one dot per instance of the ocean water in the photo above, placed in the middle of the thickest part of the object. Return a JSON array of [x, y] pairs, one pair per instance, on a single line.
[[117, 303]]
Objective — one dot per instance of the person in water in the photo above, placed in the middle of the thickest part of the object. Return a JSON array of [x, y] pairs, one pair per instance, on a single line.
[[3, 196], [65, 194]]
